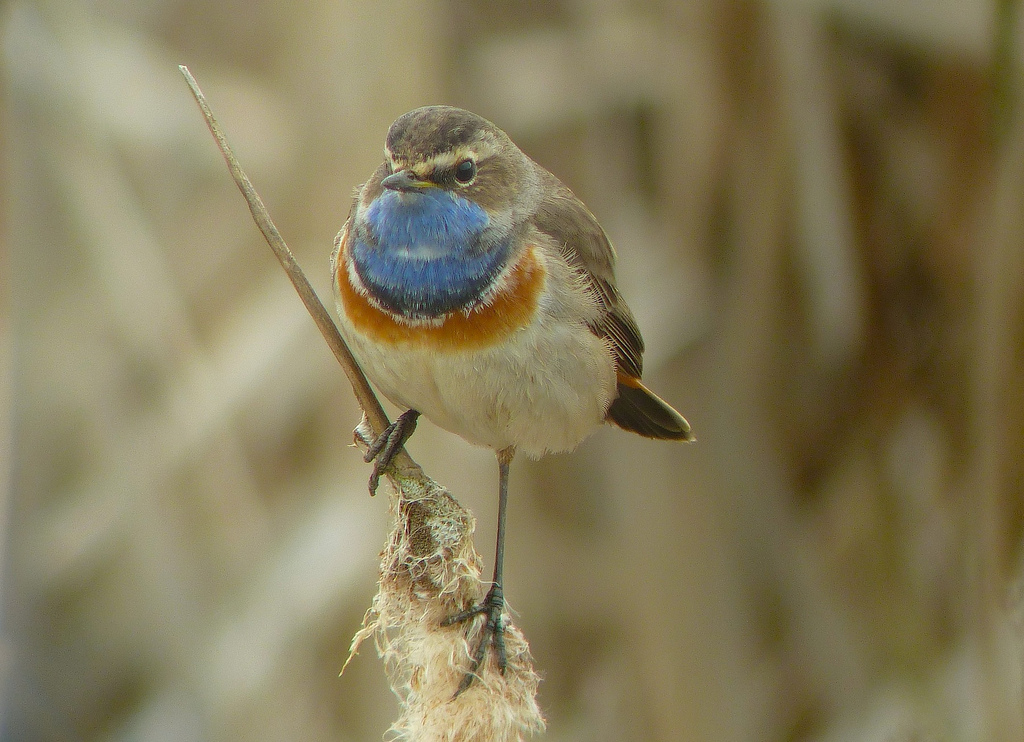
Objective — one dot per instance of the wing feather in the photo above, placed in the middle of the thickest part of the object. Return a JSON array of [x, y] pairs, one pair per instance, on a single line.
[[584, 244], [586, 247]]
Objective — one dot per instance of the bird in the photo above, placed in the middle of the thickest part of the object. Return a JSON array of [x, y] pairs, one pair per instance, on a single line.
[[473, 287]]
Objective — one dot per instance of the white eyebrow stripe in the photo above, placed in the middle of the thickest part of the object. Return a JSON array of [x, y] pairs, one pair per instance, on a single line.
[[444, 160]]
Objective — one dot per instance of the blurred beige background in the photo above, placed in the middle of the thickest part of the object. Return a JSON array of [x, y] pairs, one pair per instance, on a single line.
[[819, 213]]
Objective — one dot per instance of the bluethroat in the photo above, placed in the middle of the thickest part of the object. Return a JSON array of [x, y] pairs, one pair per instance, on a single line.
[[475, 288]]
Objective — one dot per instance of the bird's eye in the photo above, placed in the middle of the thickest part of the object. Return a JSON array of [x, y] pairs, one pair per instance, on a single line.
[[465, 171]]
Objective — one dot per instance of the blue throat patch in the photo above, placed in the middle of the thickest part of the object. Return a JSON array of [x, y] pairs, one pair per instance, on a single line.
[[422, 254]]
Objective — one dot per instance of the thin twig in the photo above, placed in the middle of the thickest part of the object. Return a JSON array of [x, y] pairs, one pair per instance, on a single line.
[[360, 386], [429, 570]]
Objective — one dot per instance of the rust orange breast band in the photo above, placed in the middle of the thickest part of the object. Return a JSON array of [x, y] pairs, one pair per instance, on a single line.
[[510, 309]]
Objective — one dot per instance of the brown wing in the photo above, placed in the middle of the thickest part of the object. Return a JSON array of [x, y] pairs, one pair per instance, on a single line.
[[585, 246]]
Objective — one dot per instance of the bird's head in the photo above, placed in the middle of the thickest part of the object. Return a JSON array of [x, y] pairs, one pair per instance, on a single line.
[[442, 216], [440, 147]]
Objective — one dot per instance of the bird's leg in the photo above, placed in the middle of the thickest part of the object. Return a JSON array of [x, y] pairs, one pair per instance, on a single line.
[[493, 604], [387, 444]]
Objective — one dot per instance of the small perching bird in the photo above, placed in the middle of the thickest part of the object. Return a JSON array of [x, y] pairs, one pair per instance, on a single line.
[[474, 287]]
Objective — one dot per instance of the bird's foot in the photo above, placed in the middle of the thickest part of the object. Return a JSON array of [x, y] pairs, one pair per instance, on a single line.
[[493, 633], [383, 449]]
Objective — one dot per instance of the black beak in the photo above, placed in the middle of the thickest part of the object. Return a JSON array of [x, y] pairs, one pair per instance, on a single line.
[[404, 180]]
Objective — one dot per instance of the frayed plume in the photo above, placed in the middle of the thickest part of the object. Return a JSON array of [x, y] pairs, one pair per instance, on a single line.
[[429, 571]]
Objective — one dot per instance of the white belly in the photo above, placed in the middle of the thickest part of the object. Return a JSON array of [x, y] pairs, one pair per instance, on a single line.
[[543, 389]]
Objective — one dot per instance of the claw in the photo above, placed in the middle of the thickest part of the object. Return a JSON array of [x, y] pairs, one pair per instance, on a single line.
[[384, 447], [493, 634]]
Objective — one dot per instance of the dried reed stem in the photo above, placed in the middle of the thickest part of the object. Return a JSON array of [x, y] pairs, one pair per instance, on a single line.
[[429, 571], [429, 568]]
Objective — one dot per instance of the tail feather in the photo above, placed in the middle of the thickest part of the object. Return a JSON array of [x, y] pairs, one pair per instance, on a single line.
[[640, 410]]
